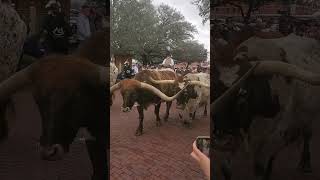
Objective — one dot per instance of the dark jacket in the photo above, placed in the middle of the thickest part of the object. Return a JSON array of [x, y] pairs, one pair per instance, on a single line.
[[57, 33]]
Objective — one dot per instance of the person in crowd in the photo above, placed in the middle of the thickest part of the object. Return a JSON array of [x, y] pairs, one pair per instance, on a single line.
[[202, 160], [135, 68], [56, 29], [168, 62], [127, 72], [93, 16], [83, 24], [199, 69]]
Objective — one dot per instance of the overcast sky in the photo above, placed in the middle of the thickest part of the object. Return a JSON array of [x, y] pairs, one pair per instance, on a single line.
[[191, 13]]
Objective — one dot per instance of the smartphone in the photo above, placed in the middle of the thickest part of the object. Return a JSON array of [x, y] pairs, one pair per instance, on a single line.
[[203, 144]]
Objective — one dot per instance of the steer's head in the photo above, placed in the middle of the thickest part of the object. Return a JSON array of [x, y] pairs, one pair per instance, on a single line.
[[68, 104], [58, 130], [129, 90], [65, 114], [252, 98], [187, 94]]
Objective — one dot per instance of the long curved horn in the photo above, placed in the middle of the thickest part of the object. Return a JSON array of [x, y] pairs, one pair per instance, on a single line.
[[266, 68], [15, 82], [199, 83], [159, 93], [286, 69], [161, 81], [115, 87], [219, 103]]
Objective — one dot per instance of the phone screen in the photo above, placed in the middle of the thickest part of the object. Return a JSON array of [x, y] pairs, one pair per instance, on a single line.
[[203, 144]]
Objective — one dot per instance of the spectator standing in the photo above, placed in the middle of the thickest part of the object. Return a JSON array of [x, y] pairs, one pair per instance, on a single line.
[[83, 23], [56, 29], [92, 19]]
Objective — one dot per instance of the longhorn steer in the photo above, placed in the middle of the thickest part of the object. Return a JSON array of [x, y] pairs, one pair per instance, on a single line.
[[144, 92], [267, 111], [63, 87], [194, 97]]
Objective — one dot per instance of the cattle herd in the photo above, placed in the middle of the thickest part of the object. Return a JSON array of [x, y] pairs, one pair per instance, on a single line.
[[154, 86]]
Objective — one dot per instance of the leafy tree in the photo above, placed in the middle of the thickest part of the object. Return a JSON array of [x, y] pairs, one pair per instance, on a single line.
[[190, 51], [138, 28], [133, 26], [204, 9]]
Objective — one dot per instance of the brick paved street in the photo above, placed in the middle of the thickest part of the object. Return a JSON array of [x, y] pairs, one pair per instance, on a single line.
[[160, 153]]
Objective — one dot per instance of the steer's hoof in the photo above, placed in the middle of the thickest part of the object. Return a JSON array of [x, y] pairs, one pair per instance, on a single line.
[[187, 124], [166, 118], [138, 133], [158, 123], [205, 114]]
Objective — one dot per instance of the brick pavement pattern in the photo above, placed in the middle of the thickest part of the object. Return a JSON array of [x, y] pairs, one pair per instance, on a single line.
[[161, 152]]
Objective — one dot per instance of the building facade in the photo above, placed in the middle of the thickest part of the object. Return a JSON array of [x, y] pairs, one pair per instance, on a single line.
[[270, 9]]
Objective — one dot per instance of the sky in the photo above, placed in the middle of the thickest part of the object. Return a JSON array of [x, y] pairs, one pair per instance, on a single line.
[[191, 14]]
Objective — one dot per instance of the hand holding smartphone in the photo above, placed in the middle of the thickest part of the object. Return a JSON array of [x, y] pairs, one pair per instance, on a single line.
[[203, 144]]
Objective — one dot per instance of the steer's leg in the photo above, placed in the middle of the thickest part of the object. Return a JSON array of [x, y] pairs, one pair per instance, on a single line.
[[194, 114], [205, 113], [269, 169], [167, 111], [156, 111], [187, 121], [98, 156], [226, 169], [141, 116], [305, 162]]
